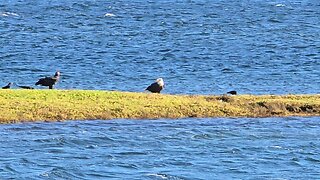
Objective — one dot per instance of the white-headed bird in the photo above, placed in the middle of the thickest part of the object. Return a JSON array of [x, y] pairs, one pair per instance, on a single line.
[[49, 81], [157, 86]]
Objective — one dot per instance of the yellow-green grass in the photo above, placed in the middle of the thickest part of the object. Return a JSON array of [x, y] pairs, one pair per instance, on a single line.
[[56, 105]]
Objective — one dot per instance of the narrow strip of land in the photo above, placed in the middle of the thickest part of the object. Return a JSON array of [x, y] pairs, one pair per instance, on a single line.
[[56, 105]]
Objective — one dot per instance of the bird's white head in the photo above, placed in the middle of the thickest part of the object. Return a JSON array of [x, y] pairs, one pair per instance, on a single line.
[[160, 81], [57, 74]]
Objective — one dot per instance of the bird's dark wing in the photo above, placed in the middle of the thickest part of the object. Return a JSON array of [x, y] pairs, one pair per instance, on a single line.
[[154, 87], [47, 81], [40, 81]]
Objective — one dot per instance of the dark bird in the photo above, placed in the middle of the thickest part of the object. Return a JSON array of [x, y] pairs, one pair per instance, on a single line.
[[232, 92], [49, 81], [7, 86], [157, 86]]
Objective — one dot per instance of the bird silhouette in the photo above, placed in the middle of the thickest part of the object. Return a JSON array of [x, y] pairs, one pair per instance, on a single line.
[[157, 86], [232, 92], [7, 86], [49, 81]]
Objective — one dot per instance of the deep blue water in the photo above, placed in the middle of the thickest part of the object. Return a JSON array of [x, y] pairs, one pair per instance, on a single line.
[[198, 47], [271, 148]]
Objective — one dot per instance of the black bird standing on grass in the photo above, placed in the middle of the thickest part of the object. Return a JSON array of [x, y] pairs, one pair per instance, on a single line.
[[157, 86], [49, 81], [7, 86]]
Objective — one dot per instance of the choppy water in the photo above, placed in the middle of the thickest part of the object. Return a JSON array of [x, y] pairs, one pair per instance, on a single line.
[[198, 47], [271, 148]]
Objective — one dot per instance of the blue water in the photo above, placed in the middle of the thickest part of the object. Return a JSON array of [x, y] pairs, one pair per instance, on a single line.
[[198, 47], [271, 148]]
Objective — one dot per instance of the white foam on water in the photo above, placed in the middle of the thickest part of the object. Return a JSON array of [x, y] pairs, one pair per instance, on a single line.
[[6, 14], [109, 15], [162, 176]]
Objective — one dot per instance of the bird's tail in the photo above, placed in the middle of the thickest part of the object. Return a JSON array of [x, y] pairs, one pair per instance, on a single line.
[[25, 87]]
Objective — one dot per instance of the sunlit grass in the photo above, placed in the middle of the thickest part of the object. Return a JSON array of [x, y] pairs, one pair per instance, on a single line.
[[54, 105]]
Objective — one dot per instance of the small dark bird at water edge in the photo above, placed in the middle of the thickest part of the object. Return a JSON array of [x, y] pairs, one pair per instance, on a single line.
[[7, 86], [232, 92], [157, 86]]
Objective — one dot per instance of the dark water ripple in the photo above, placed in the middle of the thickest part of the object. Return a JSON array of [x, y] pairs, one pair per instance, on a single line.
[[271, 148], [256, 47]]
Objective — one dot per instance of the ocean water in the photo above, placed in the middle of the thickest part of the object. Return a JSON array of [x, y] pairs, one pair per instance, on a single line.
[[197, 47], [270, 148]]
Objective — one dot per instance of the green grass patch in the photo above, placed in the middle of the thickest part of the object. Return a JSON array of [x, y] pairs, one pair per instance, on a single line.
[[56, 105]]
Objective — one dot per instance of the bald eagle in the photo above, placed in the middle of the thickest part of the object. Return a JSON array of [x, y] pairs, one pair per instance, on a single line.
[[49, 81], [157, 86]]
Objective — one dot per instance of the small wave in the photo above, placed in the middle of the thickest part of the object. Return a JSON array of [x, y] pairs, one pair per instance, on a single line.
[[276, 147], [17, 129], [6, 14], [10, 168], [163, 176], [273, 20], [109, 15], [128, 166], [202, 136], [91, 146], [280, 5], [132, 153], [59, 173], [314, 160]]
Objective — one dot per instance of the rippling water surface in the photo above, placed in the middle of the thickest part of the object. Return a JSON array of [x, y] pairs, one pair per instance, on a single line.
[[272, 148], [198, 47]]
